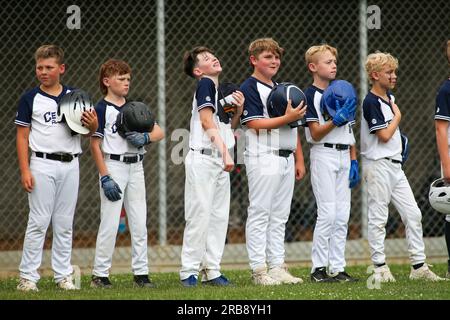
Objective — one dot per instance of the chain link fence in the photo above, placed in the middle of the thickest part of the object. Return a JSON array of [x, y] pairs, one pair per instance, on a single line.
[[413, 31]]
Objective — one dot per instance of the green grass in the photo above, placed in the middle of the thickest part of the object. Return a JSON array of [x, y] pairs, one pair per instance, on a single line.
[[168, 287]]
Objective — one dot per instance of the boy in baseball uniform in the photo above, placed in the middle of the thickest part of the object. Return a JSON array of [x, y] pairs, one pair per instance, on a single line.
[[381, 149], [208, 164], [273, 159], [334, 170], [121, 178], [442, 118], [51, 176]]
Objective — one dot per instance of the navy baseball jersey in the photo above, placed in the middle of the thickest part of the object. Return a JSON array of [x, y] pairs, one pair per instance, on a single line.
[[112, 142], [206, 96], [255, 107], [39, 111], [339, 135], [442, 110], [377, 114]]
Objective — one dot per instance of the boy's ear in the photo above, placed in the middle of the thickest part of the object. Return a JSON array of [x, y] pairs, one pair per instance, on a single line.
[[106, 81], [374, 75], [312, 67], [197, 72], [62, 68], [253, 60]]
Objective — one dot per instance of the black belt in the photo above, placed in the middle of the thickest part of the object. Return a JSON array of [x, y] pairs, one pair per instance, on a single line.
[[63, 157], [337, 146], [126, 159], [283, 153], [209, 152], [393, 160]]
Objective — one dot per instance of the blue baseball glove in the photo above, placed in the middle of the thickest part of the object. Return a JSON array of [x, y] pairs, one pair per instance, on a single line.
[[354, 174], [138, 139], [110, 188], [344, 113]]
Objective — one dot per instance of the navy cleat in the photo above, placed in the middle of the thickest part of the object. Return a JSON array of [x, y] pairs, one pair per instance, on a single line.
[[189, 282], [142, 281], [320, 275], [344, 277], [220, 281], [101, 282]]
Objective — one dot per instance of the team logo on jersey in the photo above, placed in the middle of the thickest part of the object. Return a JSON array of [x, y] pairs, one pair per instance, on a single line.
[[245, 112], [50, 117], [114, 128], [374, 121], [208, 98]]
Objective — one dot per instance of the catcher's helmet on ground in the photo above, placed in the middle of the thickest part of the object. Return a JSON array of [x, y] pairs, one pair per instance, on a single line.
[[278, 99], [439, 196], [71, 107], [340, 90], [134, 116], [226, 99]]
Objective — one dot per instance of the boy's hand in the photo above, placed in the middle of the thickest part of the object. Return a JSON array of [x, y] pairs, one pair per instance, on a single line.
[[239, 98], [293, 114], [344, 113], [89, 120], [227, 161], [396, 111], [27, 181], [300, 170]]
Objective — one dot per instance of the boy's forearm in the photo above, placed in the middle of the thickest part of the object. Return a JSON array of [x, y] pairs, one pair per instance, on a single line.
[[212, 131], [442, 142], [157, 134], [299, 150], [268, 123], [318, 131], [98, 156], [353, 152]]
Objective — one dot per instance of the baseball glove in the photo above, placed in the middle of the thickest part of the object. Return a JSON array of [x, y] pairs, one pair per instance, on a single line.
[[134, 116], [226, 99]]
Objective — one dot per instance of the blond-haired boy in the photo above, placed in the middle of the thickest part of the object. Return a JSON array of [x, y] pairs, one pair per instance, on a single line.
[[334, 168], [51, 176], [381, 149], [271, 171]]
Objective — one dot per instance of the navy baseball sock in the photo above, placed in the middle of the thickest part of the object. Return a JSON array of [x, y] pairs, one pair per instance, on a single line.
[[417, 266]]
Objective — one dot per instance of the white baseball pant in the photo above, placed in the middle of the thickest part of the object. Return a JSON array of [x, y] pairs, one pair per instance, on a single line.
[[130, 178], [271, 180], [53, 198], [207, 206], [387, 182], [330, 170]]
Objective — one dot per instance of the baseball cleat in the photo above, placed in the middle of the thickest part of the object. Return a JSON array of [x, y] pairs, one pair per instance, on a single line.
[[320, 275], [220, 281], [424, 273], [344, 277], [142, 281], [383, 274], [282, 274], [67, 284], [101, 282], [27, 285], [260, 277], [189, 282]]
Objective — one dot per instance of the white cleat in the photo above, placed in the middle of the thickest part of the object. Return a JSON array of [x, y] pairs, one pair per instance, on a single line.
[[27, 285], [424, 273], [66, 284], [383, 274], [282, 274], [260, 277]]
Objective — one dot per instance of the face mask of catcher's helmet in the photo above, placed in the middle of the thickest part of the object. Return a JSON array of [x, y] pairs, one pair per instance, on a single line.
[[439, 196], [72, 106]]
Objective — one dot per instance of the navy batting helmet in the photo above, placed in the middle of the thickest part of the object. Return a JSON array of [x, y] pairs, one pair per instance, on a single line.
[[278, 99], [71, 107], [339, 90], [134, 116]]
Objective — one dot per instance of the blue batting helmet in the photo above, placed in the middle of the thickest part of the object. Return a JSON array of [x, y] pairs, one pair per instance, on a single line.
[[339, 90], [278, 99]]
